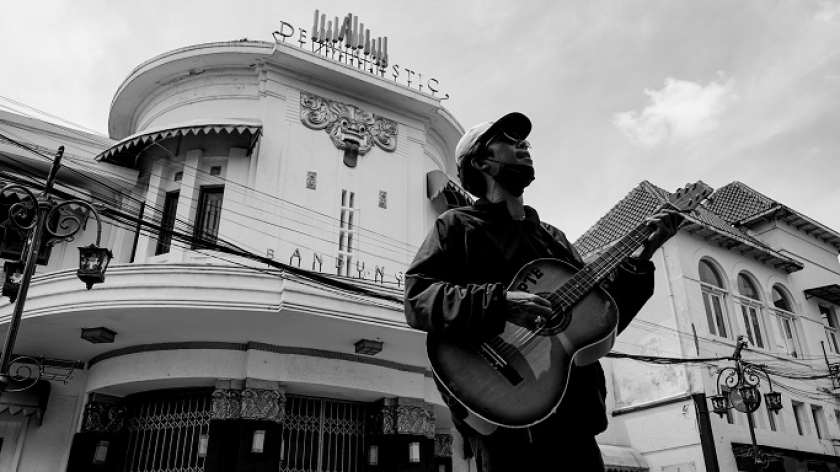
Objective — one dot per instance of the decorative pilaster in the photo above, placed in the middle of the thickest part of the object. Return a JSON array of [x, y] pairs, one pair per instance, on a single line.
[[249, 400], [404, 416], [102, 417], [443, 445]]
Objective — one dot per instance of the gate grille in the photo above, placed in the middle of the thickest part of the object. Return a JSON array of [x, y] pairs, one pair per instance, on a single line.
[[323, 435], [164, 430]]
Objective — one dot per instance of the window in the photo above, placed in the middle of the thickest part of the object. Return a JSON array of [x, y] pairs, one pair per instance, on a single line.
[[786, 338], [208, 216], [830, 324], [346, 233], [167, 222], [799, 417], [12, 241], [771, 419], [751, 310], [819, 421], [713, 291]]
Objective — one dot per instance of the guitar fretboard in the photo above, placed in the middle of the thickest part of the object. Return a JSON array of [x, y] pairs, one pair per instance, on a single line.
[[596, 271]]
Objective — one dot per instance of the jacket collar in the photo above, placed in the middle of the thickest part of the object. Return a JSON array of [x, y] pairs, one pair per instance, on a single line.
[[499, 212]]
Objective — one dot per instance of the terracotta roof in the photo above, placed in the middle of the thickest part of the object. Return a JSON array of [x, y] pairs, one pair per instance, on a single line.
[[623, 217], [741, 205], [646, 198], [735, 201]]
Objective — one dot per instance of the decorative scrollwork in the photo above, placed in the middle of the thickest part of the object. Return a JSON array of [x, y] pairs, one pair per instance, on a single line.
[[25, 371], [729, 376], [69, 218], [23, 215]]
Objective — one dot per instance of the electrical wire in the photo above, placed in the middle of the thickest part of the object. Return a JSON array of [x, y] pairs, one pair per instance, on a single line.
[[125, 220], [279, 226], [398, 244]]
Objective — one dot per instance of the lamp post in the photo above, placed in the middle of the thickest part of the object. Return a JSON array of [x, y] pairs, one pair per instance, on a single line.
[[742, 383], [38, 216]]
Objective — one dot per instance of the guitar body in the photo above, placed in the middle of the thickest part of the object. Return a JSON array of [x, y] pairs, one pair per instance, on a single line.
[[528, 384]]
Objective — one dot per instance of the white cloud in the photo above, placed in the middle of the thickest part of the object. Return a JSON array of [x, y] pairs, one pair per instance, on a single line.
[[827, 11], [681, 110]]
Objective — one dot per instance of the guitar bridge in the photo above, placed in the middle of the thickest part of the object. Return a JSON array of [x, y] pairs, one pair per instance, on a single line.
[[500, 364]]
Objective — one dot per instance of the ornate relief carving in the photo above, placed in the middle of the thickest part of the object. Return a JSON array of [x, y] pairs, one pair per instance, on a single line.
[[249, 404], [226, 404], [351, 129], [103, 418], [259, 404], [443, 445], [415, 420], [404, 419]]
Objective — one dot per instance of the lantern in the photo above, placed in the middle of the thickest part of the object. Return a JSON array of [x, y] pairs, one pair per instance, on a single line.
[[750, 396], [93, 262], [774, 401], [414, 452], [720, 404], [373, 455]]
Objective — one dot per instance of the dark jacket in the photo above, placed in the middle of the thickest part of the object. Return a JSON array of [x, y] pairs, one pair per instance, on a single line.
[[456, 287]]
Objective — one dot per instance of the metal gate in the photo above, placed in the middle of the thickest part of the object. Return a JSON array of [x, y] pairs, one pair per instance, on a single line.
[[323, 435], [165, 428]]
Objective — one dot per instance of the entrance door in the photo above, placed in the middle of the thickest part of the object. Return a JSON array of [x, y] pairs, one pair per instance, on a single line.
[[323, 435]]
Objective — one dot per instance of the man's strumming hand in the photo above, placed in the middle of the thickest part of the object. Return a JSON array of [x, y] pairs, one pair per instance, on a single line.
[[527, 310]]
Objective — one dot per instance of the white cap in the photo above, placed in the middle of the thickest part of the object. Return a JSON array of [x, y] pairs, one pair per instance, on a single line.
[[514, 123]]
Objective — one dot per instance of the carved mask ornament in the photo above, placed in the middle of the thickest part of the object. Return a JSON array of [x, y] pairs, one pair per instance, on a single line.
[[351, 129]]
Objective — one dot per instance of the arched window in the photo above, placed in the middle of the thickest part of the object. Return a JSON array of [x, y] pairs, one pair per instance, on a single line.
[[750, 303], [786, 338], [714, 291]]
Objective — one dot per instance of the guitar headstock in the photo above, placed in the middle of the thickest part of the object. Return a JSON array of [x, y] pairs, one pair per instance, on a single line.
[[688, 197]]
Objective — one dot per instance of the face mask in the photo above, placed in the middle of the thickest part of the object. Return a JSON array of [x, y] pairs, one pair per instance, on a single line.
[[514, 177]]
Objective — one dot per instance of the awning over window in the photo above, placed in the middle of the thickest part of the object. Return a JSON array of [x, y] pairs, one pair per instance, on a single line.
[[445, 193], [829, 293], [137, 142], [28, 402], [622, 459]]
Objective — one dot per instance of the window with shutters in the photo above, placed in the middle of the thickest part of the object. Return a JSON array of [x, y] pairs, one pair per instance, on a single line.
[[749, 304], [208, 216], [714, 293], [830, 324], [785, 326], [167, 223]]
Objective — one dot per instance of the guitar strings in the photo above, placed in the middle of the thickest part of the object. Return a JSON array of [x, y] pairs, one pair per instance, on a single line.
[[577, 286]]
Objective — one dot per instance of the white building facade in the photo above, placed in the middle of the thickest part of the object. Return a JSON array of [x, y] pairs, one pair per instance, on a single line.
[[743, 265], [262, 202]]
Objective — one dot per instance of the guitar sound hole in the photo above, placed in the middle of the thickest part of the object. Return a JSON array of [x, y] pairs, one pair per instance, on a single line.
[[558, 323]]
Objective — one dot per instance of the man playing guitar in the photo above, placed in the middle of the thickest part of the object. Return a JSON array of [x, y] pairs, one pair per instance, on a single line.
[[456, 288]]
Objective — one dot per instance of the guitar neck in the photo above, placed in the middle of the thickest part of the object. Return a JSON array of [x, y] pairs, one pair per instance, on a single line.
[[596, 271]]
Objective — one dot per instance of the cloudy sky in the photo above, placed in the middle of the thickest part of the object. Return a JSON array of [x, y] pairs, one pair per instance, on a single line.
[[619, 91]]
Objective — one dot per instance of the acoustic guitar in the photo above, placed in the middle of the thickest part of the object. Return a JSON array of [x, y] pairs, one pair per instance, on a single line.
[[518, 378]]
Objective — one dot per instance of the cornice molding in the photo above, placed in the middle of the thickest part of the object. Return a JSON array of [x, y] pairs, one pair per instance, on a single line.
[[257, 346]]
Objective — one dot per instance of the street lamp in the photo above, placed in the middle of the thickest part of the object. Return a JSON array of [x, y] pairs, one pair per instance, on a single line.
[[37, 216], [742, 383]]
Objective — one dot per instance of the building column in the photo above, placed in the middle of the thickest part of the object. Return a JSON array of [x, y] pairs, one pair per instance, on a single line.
[[403, 434], [245, 431], [101, 443]]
